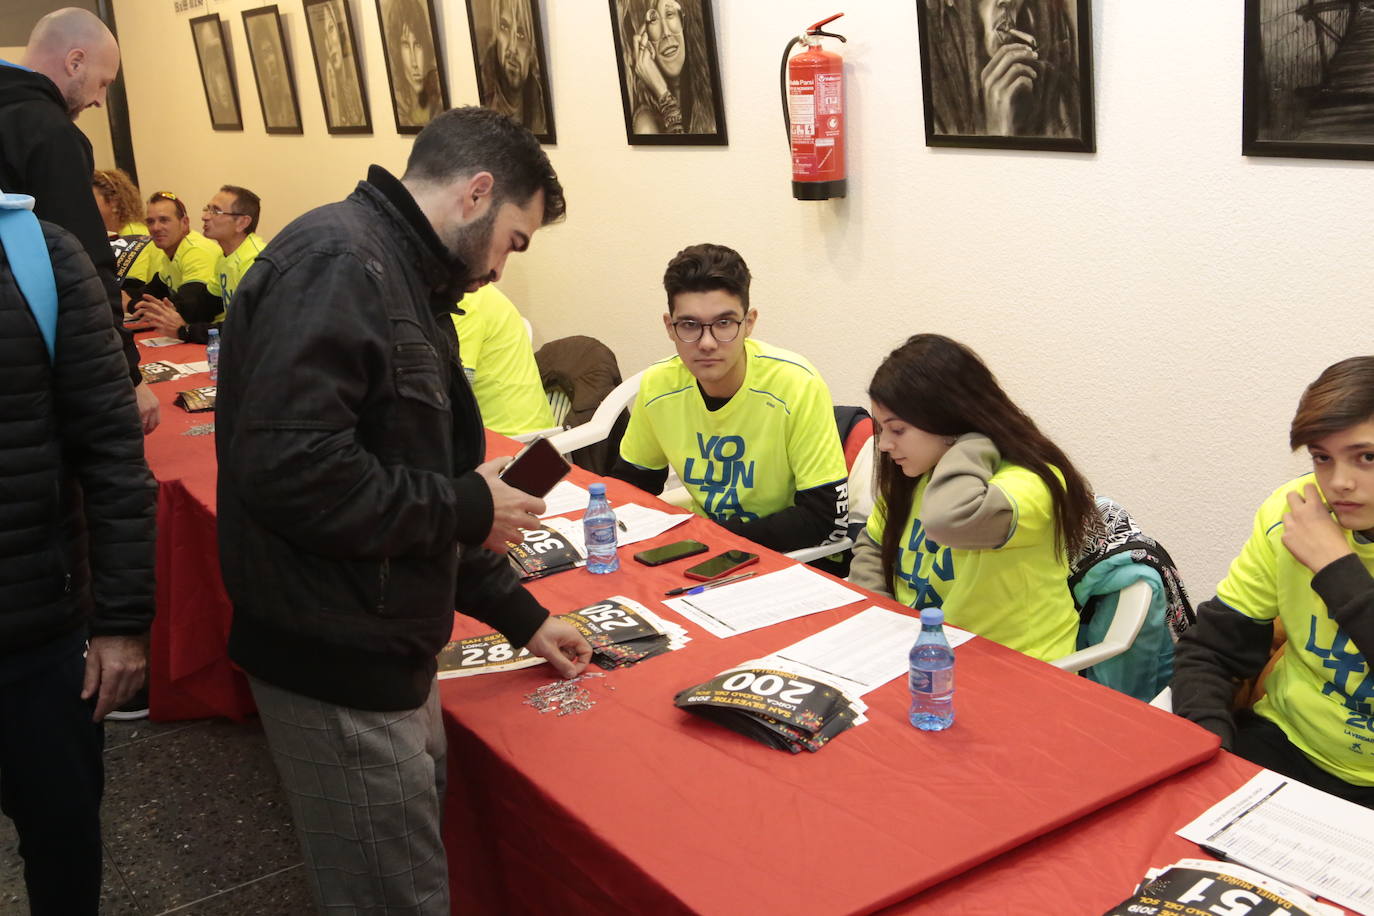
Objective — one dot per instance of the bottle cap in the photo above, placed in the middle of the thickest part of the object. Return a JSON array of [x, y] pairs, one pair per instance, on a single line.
[[597, 489], [214, 332], [932, 616]]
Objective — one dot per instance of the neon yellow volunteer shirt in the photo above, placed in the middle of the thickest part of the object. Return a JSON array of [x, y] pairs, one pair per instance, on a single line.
[[749, 458], [1321, 689], [193, 262], [1016, 594], [230, 268], [499, 361]]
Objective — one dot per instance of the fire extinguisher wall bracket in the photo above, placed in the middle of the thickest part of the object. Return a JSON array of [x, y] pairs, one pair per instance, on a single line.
[[813, 113]]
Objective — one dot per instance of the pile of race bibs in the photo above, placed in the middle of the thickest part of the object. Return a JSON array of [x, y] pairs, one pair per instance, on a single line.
[[544, 552], [774, 706], [622, 632]]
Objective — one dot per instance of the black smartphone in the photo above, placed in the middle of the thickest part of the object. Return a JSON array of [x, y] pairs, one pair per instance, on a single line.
[[721, 564], [536, 468], [670, 552]]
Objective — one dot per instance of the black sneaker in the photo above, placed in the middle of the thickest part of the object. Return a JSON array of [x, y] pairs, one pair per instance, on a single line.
[[136, 708]]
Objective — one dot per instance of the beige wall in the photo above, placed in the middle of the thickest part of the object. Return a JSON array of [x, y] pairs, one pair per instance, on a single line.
[[94, 124], [1158, 306]]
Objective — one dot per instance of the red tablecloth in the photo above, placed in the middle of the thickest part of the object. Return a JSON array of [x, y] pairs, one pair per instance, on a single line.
[[636, 806]]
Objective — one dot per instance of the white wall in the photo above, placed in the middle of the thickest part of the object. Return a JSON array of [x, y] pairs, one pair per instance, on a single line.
[[1158, 306]]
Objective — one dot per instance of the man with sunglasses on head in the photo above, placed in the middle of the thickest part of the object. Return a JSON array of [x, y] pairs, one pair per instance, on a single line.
[[183, 288], [230, 220], [749, 428]]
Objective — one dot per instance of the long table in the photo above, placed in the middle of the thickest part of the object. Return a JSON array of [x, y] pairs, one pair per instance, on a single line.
[[1056, 785], [636, 806]]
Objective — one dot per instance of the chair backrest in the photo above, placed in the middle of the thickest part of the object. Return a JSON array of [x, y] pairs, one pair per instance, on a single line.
[[579, 374]]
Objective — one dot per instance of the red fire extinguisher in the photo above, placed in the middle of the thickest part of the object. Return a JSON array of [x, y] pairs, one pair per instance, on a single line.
[[813, 110]]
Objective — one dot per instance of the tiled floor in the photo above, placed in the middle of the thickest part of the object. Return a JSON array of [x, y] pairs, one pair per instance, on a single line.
[[194, 823]]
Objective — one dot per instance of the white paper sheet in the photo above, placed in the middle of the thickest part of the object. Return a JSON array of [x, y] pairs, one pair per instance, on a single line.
[[763, 601], [160, 342], [637, 523], [565, 497], [863, 652], [1275, 825], [201, 366]]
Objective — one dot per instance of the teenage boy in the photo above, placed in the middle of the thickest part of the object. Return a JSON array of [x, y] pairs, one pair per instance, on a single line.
[[749, 428], [183, 270]]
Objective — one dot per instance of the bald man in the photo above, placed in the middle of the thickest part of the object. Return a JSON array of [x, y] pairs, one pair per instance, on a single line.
[[69, 62]]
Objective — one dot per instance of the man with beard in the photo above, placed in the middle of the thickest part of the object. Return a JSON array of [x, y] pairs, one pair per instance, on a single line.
[[511, 80], [69, 62], [355, 508]]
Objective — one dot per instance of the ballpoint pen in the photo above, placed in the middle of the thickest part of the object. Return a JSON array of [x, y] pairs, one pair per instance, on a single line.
[[698, 589]]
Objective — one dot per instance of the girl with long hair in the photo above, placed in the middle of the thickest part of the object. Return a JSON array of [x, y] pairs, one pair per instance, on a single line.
[[978, 512], [666, 68], [1308, 564]]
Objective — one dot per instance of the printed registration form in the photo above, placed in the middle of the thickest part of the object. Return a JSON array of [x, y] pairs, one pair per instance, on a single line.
[[763, 601]]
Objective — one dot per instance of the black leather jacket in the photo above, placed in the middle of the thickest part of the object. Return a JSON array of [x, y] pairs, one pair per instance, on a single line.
[[350, 517], [77, 503]]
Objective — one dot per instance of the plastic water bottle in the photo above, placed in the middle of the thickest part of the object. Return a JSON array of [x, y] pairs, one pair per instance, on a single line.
[[932, 675], [212, 354], [598, 530]]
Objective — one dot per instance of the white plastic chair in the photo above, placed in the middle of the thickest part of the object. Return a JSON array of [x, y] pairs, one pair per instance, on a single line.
[[1132, 607], [860, 506], [599, 426]]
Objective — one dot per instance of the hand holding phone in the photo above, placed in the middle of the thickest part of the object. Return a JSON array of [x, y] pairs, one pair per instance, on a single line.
[[722, 564]]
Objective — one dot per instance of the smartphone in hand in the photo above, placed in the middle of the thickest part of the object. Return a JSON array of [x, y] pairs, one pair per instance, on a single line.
[[536, 468]]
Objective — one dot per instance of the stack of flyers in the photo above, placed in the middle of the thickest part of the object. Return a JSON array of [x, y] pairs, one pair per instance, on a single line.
[[624, 632], [194, 400], [544, 552], [162, 371], [775, 706]]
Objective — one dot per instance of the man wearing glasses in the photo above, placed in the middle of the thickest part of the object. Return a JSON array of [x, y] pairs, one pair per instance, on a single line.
[[183, 270], [229, 220], [749, 428]]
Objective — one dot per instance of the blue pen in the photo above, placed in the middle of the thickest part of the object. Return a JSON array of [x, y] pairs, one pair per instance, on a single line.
[[698, 589]]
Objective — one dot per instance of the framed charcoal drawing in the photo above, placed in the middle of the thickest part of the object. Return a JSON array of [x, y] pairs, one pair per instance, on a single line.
[[281, 108], [512, 69], [334, 45], [1309, 91], [216, 72], [414, 66], [669, 72], [1007, 74]]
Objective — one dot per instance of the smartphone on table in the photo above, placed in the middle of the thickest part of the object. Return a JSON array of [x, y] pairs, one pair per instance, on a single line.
[[536, 468], [657, 556], [722, 564]]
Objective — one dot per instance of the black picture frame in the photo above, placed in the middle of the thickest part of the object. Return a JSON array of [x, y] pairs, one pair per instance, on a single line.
[[211, 38], [500, 29], [271, 63], [1054, 112], [338, 68], [417, 98], [1294, 104], [648, 120]]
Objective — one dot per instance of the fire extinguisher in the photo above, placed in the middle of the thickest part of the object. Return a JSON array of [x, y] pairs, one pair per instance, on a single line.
[[813, 110]]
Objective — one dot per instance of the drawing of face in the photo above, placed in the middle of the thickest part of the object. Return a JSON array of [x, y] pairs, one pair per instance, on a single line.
[[663, 25], [514, 42], [997, 16], [414, 60], [333, 42]]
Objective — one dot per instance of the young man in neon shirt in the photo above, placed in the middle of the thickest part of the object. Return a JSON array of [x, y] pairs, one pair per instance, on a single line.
[[749, 428], [183, 270]]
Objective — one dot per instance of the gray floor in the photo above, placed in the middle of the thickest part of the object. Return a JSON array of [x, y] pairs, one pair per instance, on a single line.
[[194, 823]]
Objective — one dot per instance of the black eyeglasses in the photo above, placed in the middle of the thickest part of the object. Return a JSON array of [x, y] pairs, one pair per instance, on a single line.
[[216, 211], [724, 330]]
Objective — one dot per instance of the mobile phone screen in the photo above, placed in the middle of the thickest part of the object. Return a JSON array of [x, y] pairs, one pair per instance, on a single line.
[[670, 552], [536, 468], [721, 565]]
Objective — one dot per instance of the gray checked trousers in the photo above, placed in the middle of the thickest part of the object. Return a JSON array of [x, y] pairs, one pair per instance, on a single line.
[[366, 791]]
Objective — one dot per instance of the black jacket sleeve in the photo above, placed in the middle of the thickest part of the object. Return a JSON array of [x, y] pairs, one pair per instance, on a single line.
[[102, 445], [1212, 657], [294, 454], [489, 590], [59, 172], [647, 479], [1347, 590], [818, 514]]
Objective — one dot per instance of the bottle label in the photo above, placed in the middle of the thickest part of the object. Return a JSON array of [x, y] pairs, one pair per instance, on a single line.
[[932, 682]]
